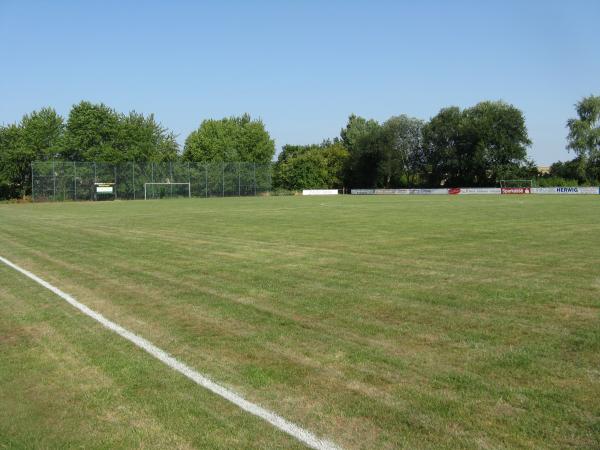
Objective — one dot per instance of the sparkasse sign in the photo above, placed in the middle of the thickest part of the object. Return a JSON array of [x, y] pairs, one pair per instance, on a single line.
[[515, 190]]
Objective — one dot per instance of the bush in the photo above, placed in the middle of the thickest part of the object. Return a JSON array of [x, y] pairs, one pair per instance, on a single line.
[[551, 181]]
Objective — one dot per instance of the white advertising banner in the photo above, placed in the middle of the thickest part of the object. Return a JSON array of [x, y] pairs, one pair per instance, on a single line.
[[392, 192], [480, 191], [567, 190], [451, 191], [474, 191], [320, 192], [398, 191]]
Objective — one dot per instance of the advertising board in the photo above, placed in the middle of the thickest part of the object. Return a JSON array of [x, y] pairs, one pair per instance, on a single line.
[[319, 192], [473, 191], [104, 189], [479, 191], [574, 190], [515, 190]]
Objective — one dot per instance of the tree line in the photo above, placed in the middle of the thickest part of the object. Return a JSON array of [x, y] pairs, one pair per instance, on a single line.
[[476, 146], [96, 132]]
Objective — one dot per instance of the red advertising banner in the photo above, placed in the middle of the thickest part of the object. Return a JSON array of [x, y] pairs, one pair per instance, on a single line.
[[516, 190], [454, 191]]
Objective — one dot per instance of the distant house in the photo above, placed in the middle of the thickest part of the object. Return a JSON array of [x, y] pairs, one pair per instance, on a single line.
[[544, 170]]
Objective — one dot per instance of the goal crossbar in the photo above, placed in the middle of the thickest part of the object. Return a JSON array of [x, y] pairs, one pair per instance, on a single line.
[[166, 184]]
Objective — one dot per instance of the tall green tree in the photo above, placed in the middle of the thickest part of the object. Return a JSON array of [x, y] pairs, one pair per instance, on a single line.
[[42, 133], [12, 161], [311, 166], [441, 139], [361, 137], [36, 137], [383, 155], [584, 137], [477, 146], [496, 141], [400, 152], [142, 138], [230, 139], [95, 132], [91, 133]]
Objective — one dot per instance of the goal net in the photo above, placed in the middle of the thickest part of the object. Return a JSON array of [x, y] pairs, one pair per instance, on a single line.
[[167, 190]]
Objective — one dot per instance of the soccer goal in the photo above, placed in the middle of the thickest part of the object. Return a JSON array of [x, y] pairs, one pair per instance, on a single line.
[[167, 190]]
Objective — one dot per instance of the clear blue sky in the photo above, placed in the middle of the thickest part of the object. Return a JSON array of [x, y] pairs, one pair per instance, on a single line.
[[302, 66]]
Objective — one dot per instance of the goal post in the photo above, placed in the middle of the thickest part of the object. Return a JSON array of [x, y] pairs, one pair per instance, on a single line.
[[169, 187]]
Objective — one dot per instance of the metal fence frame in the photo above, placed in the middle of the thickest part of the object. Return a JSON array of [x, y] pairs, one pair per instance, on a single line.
[[71, 180]]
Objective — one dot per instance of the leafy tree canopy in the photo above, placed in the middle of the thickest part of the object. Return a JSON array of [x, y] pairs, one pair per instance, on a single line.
[[230, 139], [361, 137], [401, 151], [311, 166], [142, 138], [95, 132], [476, 146], [441, 139], [383, 155], [584, 137], [12, 160], [91, 133], [37, 137]]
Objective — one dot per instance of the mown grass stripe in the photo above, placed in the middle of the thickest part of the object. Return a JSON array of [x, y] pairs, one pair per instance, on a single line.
[[277, 421]]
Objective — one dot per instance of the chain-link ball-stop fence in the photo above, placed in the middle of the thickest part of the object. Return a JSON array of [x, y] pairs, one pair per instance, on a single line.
[[68, 180]]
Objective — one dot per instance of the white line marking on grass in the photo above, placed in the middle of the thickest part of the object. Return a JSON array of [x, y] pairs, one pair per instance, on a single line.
[[277, 421]]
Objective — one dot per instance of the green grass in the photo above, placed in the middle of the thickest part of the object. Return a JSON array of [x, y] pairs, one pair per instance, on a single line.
[[377, 322]]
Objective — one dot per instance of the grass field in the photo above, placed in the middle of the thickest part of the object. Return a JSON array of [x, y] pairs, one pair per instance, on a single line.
[[375, 322]]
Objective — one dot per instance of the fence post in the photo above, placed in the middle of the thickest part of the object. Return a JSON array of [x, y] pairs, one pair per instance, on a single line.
[[223, 178], [95, 181], [206, 179], [239, 182], [74, 181], [32, 199], [189, 181], [115, 185], [133, 178], [254, 179], [53, 182]]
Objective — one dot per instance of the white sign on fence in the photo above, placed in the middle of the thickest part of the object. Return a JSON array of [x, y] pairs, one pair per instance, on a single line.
[[566, 190], [475, 191], [478, 191], [453, 191], [398, 191], [104, 189], [319, 192]]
